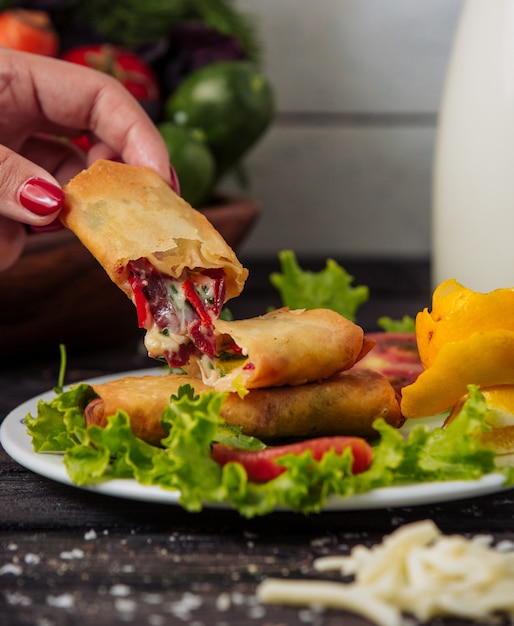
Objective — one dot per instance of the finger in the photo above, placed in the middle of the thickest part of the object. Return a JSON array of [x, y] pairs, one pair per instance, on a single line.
[[28, 193], [96, 102], [139, 143], [12, 241], [101, 151]]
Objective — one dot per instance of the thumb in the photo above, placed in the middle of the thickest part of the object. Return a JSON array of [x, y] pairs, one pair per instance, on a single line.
[[28, 193]]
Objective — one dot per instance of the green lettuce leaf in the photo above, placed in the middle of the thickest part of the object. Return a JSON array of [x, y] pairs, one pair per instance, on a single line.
[[60, 424], [304, 487], [232, 436], [331, 288], [406, 325], [184, 461], [112, 452], [439, 454]]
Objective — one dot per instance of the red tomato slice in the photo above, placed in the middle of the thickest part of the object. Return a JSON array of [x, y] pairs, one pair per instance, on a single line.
[[260, 464]]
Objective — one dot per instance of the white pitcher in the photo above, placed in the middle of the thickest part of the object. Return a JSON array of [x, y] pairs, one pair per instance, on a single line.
[[473, 192]]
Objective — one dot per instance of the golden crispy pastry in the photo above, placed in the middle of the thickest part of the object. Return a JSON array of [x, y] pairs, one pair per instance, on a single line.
[[284, 347], [346, 404], [162, 253]]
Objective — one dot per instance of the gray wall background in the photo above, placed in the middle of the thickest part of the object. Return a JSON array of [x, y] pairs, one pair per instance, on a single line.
[[346, 168]]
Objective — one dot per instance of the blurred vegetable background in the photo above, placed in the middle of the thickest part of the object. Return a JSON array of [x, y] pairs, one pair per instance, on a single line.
[[194, 65]]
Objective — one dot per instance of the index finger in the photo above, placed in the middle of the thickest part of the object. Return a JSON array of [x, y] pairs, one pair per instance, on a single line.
[[85, 99]]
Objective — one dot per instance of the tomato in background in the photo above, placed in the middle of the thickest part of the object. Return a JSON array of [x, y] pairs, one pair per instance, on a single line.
[[29, 31], [132, 72]]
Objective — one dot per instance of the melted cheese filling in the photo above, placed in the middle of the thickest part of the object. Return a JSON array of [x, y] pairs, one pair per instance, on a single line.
[[158, 342], [177, 313]]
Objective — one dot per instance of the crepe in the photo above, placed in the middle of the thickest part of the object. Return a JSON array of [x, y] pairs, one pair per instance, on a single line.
[[346, 404], [153, 245], [283, 347]]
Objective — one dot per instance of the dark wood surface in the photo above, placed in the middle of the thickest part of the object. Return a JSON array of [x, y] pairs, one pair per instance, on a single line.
[[69, 556]]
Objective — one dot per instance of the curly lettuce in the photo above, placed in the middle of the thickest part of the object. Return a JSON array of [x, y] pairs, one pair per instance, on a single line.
[[183, 462], [331, 288]]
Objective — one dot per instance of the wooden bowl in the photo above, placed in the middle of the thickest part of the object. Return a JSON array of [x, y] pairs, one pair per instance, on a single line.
[[58, 293]]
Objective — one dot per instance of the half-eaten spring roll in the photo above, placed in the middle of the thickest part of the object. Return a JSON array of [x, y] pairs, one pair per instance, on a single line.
[[162, 253], [284, 347]]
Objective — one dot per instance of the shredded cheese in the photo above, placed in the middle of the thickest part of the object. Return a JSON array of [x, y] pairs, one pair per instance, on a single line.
[[415, 571]]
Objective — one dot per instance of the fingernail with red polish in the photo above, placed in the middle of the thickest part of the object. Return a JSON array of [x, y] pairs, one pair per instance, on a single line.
[[175, 184], [41, 197]]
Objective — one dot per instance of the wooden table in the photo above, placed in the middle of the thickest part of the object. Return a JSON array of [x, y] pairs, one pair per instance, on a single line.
[[72, 557]]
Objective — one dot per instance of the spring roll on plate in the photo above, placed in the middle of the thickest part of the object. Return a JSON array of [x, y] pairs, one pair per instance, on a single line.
[[162, 253], [345, 404], [283, 347]]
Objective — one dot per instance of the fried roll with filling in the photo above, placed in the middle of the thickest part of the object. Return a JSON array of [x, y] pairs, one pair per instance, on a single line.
[[162, 253], [284, 347], [346, 404]]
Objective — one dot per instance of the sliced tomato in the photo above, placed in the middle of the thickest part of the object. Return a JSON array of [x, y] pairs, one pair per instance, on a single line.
[[261, 466], [395, 356]]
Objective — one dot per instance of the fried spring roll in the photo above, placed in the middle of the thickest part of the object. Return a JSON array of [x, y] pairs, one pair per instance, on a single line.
[[162, 253], [346, 404], [284, 347]]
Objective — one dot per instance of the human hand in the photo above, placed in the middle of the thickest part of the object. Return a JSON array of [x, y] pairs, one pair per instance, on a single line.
[[44, 102]]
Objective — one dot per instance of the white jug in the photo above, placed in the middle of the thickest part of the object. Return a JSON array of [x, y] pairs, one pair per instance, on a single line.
[[473, 191]]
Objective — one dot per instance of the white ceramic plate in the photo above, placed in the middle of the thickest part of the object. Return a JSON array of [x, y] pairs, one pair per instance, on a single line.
[[17, 443]]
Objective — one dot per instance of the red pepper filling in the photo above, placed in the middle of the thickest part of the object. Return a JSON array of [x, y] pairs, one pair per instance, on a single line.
[[184, 307]]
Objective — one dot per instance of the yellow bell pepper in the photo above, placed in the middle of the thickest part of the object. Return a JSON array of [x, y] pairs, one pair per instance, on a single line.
[[482, 358], [457, 313]]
